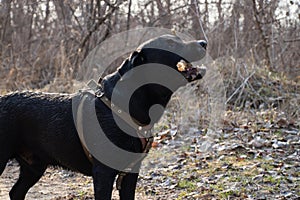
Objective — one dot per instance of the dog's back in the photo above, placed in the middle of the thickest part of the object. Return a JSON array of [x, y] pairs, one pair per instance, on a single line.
[[39, 127]]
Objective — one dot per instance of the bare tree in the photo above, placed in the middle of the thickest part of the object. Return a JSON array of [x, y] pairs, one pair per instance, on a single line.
[[47, 39]]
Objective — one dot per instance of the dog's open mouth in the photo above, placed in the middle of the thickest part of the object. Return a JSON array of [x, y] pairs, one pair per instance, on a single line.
[[189, 71]]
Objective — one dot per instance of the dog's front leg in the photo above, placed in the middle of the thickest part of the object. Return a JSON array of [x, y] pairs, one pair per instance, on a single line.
[[103, 178], [128, 185]]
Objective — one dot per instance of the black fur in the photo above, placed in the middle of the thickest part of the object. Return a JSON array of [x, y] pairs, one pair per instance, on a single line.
[[38, 130]]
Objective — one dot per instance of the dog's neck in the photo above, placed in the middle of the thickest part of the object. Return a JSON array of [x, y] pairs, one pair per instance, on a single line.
[[142, 99]]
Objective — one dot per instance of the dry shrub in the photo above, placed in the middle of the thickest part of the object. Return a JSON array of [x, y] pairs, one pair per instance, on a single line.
[[250, 86]]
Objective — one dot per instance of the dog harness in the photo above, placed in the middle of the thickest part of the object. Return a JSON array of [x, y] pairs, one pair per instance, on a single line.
[[143, 132]]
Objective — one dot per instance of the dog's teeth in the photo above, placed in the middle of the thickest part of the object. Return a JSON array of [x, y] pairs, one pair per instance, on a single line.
[[201, 70]]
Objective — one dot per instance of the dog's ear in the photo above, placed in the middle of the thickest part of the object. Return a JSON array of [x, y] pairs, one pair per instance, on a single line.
[[136, 58]]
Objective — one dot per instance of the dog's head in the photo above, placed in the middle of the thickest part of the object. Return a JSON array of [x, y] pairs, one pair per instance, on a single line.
[[166, 50], [171, 51]]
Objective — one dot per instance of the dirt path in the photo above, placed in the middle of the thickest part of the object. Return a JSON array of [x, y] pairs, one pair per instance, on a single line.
[[56, 184]]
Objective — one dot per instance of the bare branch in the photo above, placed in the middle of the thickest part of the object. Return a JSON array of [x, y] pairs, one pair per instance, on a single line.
[[99, 22]]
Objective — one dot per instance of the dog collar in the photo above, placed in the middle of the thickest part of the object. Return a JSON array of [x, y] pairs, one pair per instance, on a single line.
[[143, 132]]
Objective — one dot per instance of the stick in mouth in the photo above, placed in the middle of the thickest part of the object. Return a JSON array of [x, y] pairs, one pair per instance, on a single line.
[[190, 72]]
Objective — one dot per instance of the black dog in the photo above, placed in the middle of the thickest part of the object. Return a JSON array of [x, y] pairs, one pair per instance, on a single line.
[[38, 129]]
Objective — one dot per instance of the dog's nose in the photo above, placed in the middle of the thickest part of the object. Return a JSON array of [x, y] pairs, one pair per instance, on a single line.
[[203, 43]]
